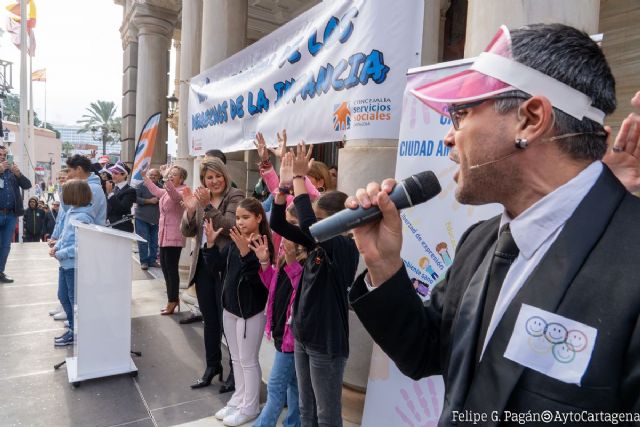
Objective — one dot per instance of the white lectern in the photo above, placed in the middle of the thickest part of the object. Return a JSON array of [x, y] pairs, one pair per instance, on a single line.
[[103, 303]]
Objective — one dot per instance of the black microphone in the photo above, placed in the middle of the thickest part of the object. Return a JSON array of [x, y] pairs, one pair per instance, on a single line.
[[412, 191]]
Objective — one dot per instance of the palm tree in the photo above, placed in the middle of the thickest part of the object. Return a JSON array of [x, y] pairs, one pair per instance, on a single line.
[[101, 117], [67, 148]]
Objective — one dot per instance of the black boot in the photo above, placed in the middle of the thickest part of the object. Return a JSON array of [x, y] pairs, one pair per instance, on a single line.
[[229, 384], [208, 375]]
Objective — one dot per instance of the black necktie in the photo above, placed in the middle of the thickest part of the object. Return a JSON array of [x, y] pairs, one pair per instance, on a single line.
[[506, 252]]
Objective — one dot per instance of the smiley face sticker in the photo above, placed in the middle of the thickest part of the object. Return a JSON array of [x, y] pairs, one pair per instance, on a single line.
[[551, 344], [577, 340], [535, 326], [555, 333]]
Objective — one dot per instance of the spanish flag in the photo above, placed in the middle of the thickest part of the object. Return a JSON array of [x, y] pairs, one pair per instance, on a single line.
[[39, 75], [13, 24]]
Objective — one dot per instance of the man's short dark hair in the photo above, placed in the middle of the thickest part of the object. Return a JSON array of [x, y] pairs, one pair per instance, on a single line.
[[216, 153], [570, 56], [78, 160]]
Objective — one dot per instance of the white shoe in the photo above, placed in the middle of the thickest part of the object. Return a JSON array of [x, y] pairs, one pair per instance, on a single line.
[[60, 316], [56, 310], [224, 412], [66, 323], [189, 296], [237, 418]]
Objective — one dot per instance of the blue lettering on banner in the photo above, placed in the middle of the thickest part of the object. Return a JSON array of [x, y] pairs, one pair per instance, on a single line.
[[416, 270], [424, 148], [235, 107], [434, 258], [358, 69]]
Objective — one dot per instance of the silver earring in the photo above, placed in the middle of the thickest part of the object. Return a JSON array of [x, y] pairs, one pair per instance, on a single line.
[[521, 142]]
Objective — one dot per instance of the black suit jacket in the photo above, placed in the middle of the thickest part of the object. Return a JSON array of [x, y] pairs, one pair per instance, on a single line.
[[590, 274], [120, 204]]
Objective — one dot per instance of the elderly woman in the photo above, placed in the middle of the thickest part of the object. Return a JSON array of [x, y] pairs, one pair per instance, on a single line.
[[216, 201], [170, 238]]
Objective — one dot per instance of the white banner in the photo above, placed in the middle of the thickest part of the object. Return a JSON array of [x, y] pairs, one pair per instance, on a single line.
[[430, 236], [335, 72]]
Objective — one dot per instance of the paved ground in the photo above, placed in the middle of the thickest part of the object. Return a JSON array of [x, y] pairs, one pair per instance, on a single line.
[[32, 393]]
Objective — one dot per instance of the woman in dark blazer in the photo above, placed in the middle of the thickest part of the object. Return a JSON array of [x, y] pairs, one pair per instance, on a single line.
[[216, 200]]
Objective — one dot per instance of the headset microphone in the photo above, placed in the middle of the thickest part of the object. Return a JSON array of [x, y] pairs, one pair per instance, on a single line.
[[521, 144]]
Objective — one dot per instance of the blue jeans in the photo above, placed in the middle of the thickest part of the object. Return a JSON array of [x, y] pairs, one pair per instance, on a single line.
[[282, 387], [148, 252], [66, 292], [7, 229], [320, 387]]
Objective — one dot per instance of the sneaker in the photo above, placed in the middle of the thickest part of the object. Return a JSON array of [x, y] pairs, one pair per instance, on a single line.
[[62, 336], [56, 310], [66, 323], [225, 412], [237, 418], [154, 265], [60, 316], [64, 341], [5, 279], [189, 296], [144, 266]]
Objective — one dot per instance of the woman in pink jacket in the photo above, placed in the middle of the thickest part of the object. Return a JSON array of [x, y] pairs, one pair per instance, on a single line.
[[170, 238]]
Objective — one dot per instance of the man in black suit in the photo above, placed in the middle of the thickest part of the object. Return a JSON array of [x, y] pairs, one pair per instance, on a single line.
[[120, 197], [540, 309]]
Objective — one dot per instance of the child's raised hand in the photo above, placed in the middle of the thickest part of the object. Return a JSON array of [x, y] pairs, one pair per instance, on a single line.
[[211, 234], [261, 145], [260, 245], [282, 145], [302, 160], [286, 170], [241, 242]]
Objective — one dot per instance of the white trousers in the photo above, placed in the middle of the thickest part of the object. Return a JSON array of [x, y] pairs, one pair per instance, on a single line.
[[244, 337]]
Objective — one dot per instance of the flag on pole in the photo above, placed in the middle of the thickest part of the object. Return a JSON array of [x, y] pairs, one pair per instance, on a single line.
[[39, 75], [144, 149], [13, 25]]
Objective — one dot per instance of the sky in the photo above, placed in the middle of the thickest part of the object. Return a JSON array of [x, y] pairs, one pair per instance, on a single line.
[[78, 42]]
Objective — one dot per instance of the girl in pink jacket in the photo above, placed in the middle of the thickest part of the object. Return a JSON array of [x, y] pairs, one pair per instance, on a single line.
[[282, 281], [170, 238]]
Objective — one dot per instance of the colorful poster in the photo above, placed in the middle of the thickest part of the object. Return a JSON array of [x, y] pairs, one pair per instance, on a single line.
[[335, 72], [144, 149], [430, 236]]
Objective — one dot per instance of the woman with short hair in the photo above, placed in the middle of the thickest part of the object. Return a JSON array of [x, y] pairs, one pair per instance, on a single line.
[[170, 238]]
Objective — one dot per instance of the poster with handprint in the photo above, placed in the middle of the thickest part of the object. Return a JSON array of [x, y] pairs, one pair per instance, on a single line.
[[430, 235]]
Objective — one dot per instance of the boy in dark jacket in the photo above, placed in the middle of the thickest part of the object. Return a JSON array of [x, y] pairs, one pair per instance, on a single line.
[[33, 222]]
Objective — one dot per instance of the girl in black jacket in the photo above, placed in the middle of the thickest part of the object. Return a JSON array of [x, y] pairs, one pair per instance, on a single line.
[[243, 301], [320, 311]]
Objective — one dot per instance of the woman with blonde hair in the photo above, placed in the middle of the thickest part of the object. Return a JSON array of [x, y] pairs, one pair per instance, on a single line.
[[214, 200]]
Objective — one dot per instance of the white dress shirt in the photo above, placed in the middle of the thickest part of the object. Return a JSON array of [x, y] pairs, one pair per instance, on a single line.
[[534, 230], [119, 185]]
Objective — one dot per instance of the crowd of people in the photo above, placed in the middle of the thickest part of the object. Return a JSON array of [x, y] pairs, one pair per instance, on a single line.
[[255, 268]]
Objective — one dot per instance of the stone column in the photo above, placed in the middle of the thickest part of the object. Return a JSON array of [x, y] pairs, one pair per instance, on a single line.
[[129, 81], [190, 42], [485, 16], [187, 67], [155, 28], [432, 27], [224, 30]]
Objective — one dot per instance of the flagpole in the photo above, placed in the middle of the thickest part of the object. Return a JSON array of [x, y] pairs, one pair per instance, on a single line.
[[45, 100], [21, 151], [32, 115]]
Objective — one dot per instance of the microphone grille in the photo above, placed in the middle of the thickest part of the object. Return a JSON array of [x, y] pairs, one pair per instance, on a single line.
[[422, 187]]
